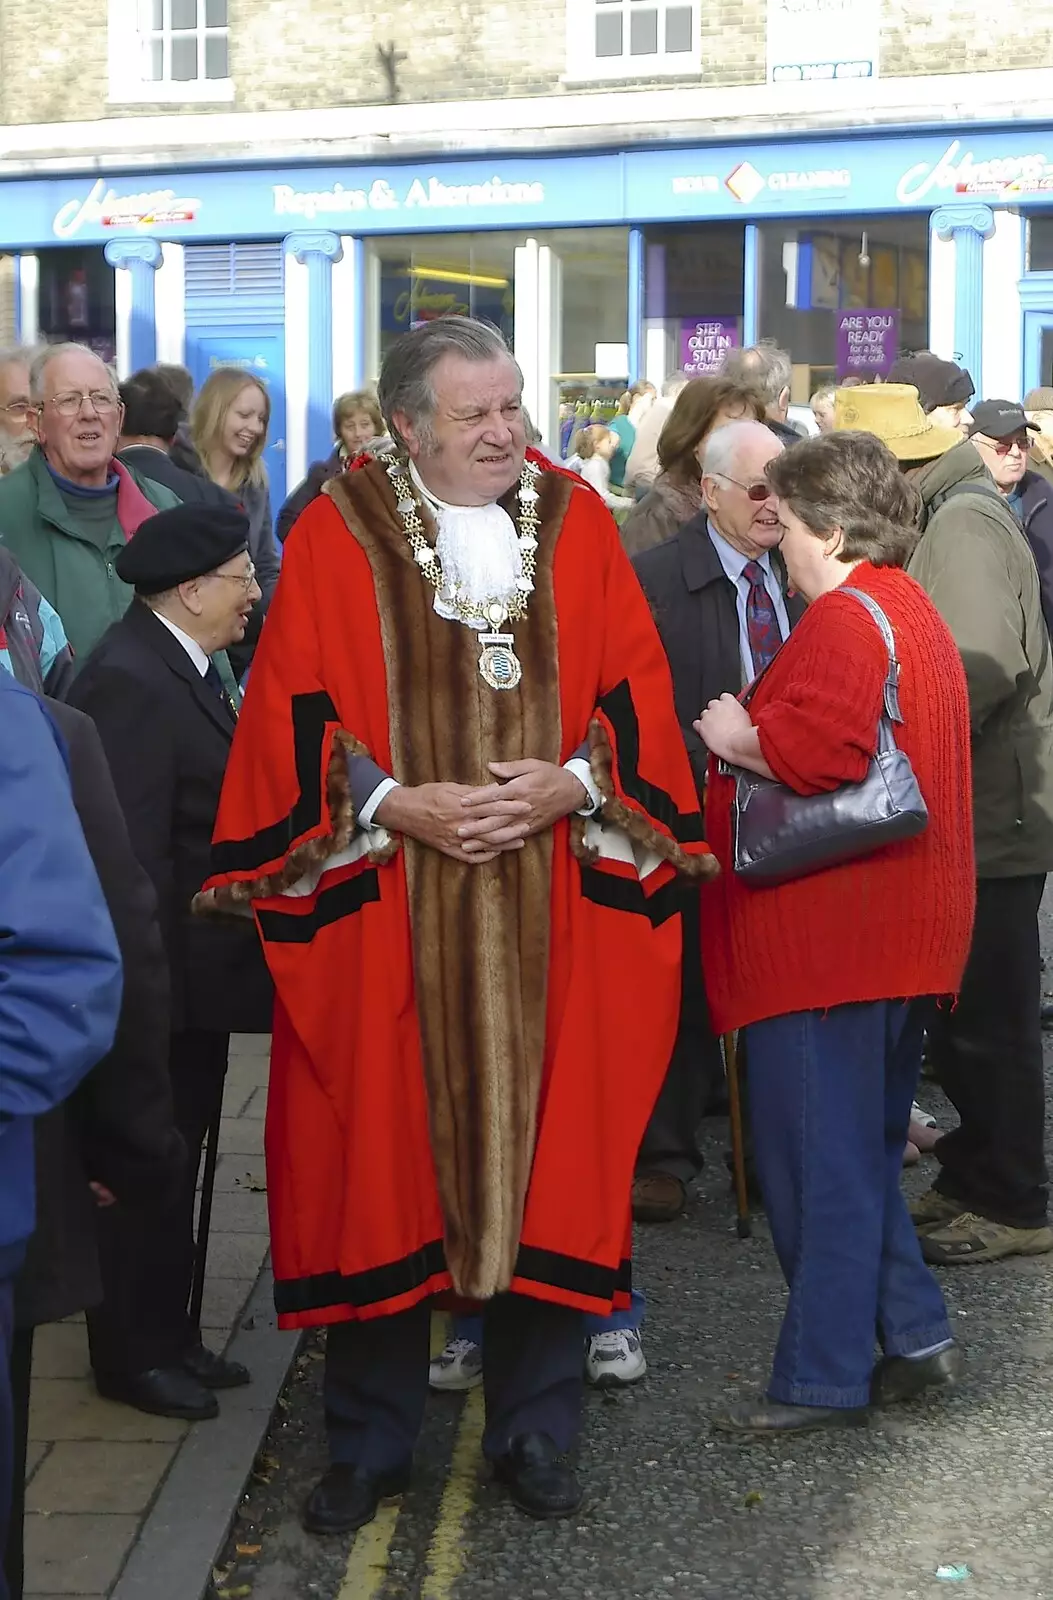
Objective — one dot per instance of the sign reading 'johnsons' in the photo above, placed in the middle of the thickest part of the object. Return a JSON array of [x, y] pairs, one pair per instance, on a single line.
[[384, 196]]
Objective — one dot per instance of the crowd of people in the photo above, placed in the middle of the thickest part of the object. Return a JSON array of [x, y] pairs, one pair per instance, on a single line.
[[451, 784]]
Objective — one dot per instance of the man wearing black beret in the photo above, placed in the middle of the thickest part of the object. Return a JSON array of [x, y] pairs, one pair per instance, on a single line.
[[165, 703]]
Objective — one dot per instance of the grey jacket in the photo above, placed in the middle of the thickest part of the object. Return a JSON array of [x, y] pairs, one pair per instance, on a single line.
[[977, 566]]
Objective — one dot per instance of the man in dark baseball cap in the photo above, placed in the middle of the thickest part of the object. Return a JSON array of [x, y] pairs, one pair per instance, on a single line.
[[944, 388], [1002, 435]]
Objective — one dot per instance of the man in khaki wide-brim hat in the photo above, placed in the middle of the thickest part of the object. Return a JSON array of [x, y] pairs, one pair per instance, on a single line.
[[893, 412], [990, 1198]]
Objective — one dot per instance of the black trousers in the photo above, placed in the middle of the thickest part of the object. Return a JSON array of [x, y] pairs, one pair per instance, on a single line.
[[21, 1367], [148, 1261], [670, 1141], [376, 1380], [987, 1054]]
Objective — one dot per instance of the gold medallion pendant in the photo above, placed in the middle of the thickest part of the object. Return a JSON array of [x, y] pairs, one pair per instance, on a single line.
[[499, 666]]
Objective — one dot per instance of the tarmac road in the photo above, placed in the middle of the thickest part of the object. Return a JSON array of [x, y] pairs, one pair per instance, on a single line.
[[674, 1510]]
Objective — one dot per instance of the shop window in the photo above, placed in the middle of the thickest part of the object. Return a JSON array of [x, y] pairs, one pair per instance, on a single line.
[[632, 38], [172, 50], [693, 307], [844, 296], [1040, 244], [77, 302], [416, 278]]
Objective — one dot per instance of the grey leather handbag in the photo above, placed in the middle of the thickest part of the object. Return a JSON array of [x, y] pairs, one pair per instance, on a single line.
[[779, 835]]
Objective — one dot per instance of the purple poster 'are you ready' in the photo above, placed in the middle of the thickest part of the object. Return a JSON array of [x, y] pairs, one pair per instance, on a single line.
[[867, 342]]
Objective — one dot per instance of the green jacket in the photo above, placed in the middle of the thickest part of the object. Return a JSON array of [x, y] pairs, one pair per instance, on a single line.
[[976, 564], [69, 570]]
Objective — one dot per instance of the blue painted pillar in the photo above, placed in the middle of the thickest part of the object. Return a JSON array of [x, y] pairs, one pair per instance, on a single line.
[[636, 297], [751, 285], [137, 331], [317, 249], [968, 225]]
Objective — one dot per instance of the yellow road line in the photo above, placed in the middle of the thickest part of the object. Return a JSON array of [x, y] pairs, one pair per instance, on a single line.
[[446, 1553], [367, 1562]]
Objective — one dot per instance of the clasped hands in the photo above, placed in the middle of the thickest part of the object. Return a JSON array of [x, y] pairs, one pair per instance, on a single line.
[[476, 825]]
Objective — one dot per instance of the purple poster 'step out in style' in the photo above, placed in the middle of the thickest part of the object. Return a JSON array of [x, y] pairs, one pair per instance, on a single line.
[[705, 341]]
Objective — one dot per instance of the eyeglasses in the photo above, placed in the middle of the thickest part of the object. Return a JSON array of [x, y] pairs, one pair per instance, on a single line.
[[758, 490], [1002, 447], [246, 579], [102, 402], [18, 410]]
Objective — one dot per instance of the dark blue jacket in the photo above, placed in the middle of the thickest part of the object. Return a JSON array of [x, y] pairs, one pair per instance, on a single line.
[[60, 970], [1034, 507]]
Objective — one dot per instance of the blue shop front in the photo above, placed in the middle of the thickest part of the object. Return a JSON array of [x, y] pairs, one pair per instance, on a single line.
[[600, 267]]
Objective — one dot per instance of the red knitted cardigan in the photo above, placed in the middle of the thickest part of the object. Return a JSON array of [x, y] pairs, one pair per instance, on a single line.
[[890, 925]]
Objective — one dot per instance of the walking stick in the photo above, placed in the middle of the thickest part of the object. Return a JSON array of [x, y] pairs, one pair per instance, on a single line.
[[738, 1146], [204, 1221]]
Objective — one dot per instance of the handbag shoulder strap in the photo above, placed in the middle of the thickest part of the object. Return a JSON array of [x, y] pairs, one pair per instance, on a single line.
[[892, 708]]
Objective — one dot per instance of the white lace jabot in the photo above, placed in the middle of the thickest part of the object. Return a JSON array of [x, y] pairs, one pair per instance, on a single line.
[[479, 550]]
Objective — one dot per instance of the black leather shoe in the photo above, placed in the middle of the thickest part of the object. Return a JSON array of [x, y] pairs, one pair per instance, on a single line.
[[767, 1419], [541, 1480], [898, 1378], [161, 1392], [347, 1497], [213, 1371]]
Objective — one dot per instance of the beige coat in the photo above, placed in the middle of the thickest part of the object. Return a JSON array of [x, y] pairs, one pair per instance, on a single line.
[[661, 513]]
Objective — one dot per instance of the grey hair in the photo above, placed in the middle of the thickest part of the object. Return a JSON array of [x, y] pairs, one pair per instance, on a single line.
[[46, 354], [672, 386], [762, 366], [25, 353], [405, 379], [723, 446]]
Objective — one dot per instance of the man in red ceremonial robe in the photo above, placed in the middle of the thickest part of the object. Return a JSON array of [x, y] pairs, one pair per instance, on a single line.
[[457, 803]]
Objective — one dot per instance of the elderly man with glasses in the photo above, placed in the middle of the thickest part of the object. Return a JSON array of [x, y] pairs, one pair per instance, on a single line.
[[1002, 435], [160, 693], [718, 594], [68, 512], [16, 434]]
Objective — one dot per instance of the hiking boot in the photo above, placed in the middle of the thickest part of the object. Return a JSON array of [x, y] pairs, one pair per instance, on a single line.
[[934, 1210], [969, 1238]]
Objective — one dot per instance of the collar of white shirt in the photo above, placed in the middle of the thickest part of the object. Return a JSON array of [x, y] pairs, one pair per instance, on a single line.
[[732, 560], [191, 646]]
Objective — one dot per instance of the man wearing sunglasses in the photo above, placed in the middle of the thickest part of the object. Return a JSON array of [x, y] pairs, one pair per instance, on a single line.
[[1002, 435]]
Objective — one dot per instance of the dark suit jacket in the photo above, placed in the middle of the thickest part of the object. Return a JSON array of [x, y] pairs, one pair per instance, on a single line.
[[693, 602], [118, 1127], [191, 487], [167, 738]]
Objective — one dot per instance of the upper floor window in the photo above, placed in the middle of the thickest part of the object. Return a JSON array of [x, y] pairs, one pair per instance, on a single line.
[[632, 38], [169, 50]]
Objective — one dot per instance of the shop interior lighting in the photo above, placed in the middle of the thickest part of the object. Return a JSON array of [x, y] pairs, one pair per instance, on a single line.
[[442, 275]]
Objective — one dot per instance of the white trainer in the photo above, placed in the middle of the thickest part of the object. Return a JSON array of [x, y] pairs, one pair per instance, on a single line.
[[615, 1359], [459, 1366]]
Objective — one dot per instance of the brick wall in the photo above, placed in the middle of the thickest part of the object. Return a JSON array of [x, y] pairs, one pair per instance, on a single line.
[[295, 54]]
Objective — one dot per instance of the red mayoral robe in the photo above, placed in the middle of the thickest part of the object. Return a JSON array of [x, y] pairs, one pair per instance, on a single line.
[[464, 1057]]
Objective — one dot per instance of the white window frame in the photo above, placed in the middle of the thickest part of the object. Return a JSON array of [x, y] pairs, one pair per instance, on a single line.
[[584, 66], [127, 86]]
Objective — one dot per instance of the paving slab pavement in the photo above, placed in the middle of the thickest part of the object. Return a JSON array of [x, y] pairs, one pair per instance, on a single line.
[[102, 1519]]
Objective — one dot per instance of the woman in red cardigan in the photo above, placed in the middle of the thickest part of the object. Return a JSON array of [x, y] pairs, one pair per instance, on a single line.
[[830, 975]]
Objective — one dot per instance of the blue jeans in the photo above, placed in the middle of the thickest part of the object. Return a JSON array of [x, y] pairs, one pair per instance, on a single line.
[[830, 1094], [472, 1327]]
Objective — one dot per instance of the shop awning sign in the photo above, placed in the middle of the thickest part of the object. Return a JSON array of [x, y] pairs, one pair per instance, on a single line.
[[816, 40]]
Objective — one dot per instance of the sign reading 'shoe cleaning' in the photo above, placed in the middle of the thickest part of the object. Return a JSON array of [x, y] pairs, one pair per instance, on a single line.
[[820, 39]]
